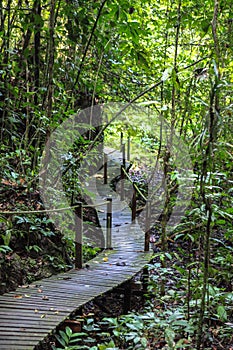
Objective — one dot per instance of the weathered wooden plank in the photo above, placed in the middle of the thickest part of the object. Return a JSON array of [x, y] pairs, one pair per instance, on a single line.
[[22, 337], [23, 332], [19, 347], [43, 319], [77, 292], [15, 327], [51, 301], [12, 347], [58, 308], [29, 322], [6, 344]]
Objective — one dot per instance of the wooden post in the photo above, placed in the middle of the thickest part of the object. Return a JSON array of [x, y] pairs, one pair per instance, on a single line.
[[105, 168], [147, 226], [109, 224], [127, 297], [123, 166], [134, 203], [122, 183], [79, 237], [145, 280], [121, 138], [123, 155], [128, 149]]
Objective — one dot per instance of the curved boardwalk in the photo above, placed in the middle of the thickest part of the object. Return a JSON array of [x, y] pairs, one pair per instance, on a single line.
[[28, 315]]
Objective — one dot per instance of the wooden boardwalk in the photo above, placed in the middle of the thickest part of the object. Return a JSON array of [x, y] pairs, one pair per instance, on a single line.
[[28, 315]]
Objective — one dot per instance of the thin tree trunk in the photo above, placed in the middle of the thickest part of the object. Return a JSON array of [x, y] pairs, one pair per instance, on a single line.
[[5, 62], [51, 50], [37, 52], [207, 169]]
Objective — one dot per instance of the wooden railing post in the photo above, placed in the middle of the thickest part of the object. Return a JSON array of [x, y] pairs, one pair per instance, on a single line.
[[109, 224], [128, 148], [122, 183], [79, 237], [147, 226], [127, 297], [105, 168], [145, 281], [122, 137], [123, 155], [134, 203], [123, 166]]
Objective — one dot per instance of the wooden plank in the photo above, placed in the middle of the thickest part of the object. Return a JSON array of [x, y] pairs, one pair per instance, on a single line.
[[15, 328], [18, 341], [38, 307], [24, 332], [19, 347], [43, 300], [22, 339], [82, 294], [30, 314], [41, 319]]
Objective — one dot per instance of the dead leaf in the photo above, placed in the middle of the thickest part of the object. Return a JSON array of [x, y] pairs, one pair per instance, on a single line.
[[22, 181], [8, 183]]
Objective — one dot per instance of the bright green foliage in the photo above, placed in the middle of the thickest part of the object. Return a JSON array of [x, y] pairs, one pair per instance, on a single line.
[[58, 57]]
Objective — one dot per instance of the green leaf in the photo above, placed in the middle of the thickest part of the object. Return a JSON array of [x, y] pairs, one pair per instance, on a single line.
[[144, 342], [60, 340], [221, 312], [68, 331], [136, 340], [168, 255], [76, 335], [64, 337], [5, 249], [116, 333]]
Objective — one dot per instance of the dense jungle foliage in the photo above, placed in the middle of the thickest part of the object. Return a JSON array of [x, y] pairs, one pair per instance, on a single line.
[[175, 57]]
